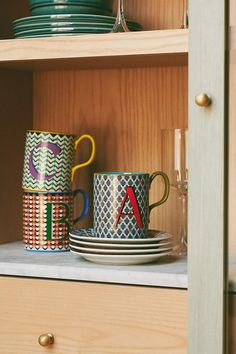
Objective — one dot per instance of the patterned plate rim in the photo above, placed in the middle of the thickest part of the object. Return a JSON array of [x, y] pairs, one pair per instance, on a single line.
[[122, 245], [138, 246], [157, 236]]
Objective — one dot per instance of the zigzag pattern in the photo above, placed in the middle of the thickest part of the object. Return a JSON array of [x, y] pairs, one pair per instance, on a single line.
[[47, 163]]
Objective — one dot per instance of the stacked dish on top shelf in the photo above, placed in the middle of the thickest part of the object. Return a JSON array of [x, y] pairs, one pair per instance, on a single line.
[[67, 17], [52, 7], [84, 243]]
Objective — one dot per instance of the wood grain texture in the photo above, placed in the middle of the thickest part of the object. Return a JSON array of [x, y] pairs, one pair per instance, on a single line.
[[155, 14], [232, 324], [100, 51], [125, 111], [16, 117], [96, 51], [207, 254], [90, 318], [112, 102], [152, 14]]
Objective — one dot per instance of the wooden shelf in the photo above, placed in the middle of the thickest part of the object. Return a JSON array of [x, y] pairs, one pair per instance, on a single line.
[[169, 272], [136, 49]]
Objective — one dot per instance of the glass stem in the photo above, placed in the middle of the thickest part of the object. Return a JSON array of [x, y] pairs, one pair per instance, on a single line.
[[120, 24], [182, 249], [185, 14]]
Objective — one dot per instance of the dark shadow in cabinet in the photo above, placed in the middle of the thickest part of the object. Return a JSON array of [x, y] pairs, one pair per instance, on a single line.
[[15, 119]]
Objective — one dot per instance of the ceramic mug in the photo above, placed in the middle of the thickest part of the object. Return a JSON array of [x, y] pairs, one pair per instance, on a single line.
[[48, 219], [49, 160], [121, 203]]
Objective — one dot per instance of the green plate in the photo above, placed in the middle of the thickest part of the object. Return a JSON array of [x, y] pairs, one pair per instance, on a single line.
[[63, 30], [106, 4], [68, 9], [70, 17], [53, 35], [60, 24], [32, 26], [60, 34]]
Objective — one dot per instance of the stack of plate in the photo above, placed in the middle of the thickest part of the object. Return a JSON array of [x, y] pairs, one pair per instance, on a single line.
[[52, 18], [68, 24], [53, 7], [120, 251]]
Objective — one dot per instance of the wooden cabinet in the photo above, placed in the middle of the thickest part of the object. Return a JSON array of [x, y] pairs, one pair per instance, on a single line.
[[123, 89], [91, 318]]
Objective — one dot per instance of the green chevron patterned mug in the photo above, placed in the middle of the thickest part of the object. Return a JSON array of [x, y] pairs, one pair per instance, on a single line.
[[49, 160]]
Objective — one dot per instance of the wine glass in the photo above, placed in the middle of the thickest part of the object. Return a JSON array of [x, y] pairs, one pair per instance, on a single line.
[[120, 23], [185, 14], [175, 165]]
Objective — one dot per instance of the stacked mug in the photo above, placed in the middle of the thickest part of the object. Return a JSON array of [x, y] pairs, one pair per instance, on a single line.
[[48, 197], [121, 233]]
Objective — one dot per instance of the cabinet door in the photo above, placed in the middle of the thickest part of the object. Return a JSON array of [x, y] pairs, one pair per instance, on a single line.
[[232, 173], [207, 130]]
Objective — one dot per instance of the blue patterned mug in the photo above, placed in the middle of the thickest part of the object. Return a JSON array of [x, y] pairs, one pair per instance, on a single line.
[[121, 203]]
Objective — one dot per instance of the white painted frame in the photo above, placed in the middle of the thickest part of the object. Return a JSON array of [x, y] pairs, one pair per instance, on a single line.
[[207, 181]]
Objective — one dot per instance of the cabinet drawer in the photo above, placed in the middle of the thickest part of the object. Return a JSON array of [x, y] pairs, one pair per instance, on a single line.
[[88, 318]]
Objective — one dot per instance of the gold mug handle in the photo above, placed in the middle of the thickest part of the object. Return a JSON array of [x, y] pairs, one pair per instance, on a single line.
[[90, 160], [166, 190]]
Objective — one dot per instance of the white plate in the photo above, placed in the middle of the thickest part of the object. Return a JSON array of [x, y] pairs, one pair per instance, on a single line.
[[121, 252], [158, 244], [121, 260], [88, 235]]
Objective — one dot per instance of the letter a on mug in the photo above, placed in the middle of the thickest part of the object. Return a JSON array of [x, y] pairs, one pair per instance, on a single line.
[[132, 197]]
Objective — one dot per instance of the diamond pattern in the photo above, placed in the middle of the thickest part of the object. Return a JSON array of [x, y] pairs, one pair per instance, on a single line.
[[109, 192]]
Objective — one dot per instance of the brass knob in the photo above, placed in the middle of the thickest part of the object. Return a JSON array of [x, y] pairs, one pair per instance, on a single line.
[[203, 100], [46, 339]]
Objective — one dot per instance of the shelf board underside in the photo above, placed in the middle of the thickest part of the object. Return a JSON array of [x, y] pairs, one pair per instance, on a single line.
[[136, 49]]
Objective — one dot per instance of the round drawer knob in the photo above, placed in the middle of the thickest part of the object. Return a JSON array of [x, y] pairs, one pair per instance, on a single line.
[[46, 339], [203, 100]]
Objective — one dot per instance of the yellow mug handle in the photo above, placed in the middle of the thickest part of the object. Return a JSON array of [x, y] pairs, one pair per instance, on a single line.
[[166, 190], [90, 160]]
